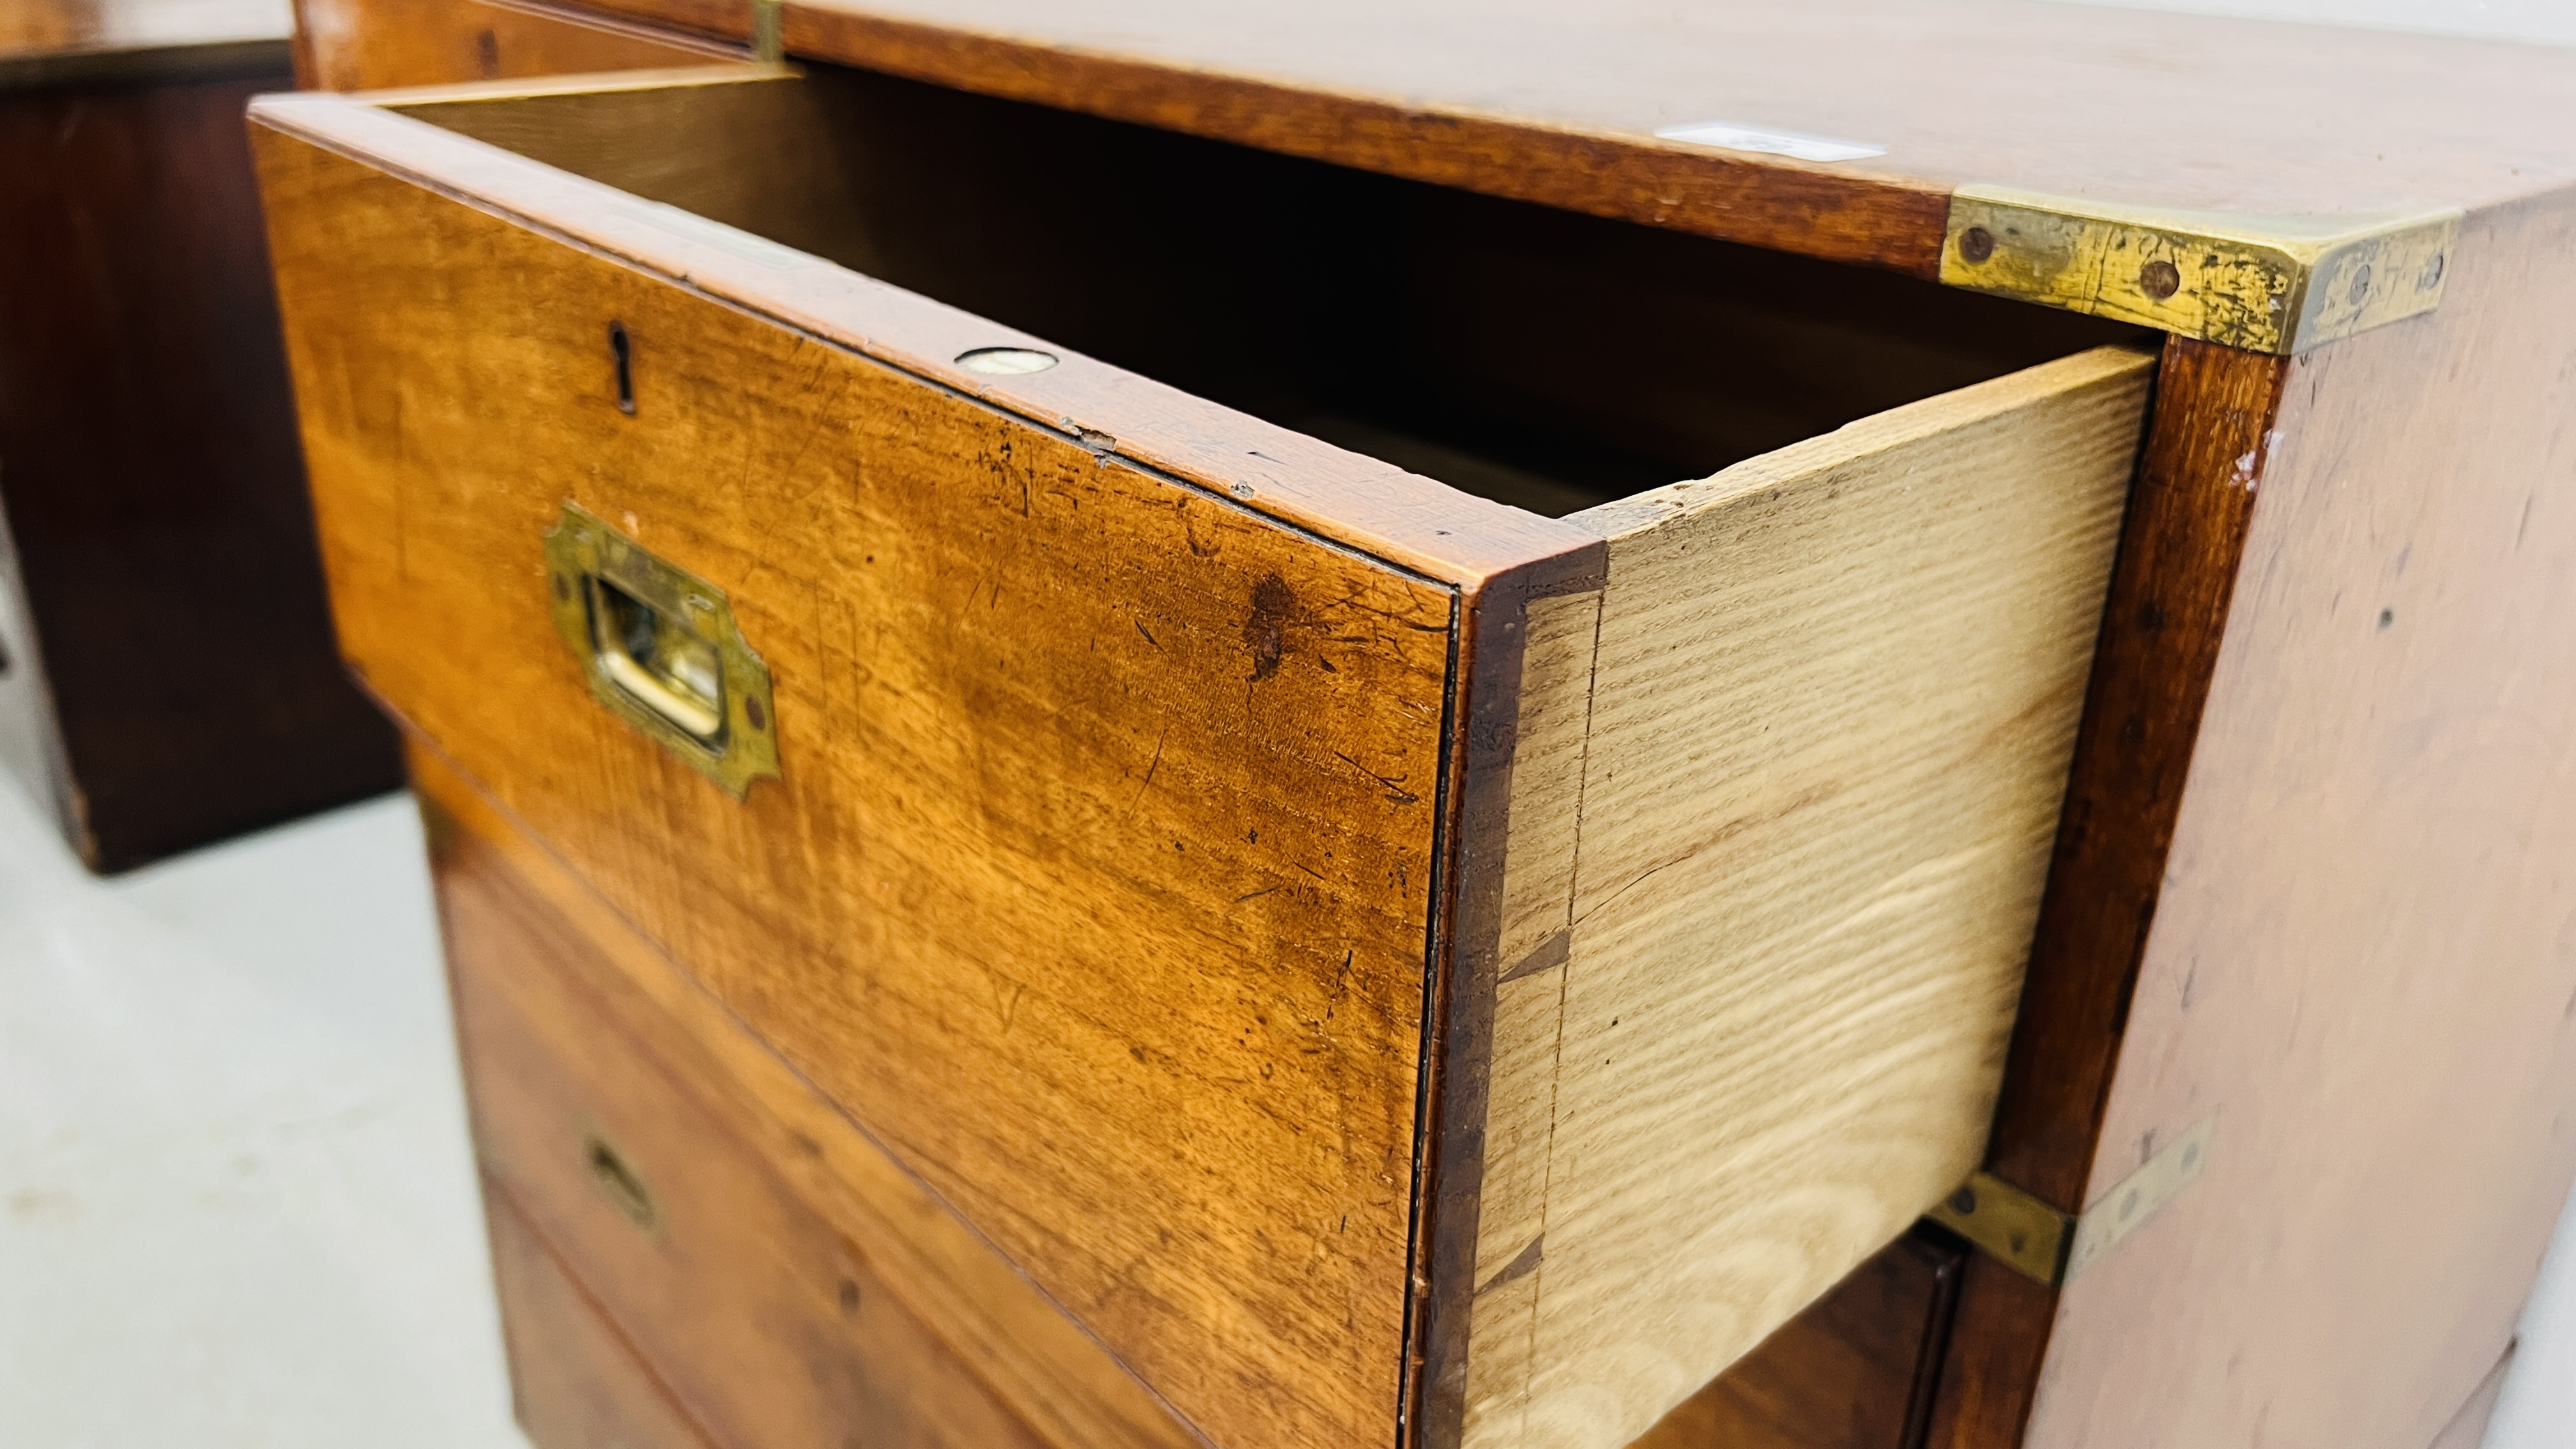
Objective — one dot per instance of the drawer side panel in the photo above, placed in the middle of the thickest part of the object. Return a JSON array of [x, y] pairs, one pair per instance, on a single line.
[[1097, 881], [1831, 711]]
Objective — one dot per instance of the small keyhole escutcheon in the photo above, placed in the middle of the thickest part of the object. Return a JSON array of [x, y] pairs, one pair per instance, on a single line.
[[621, 350]]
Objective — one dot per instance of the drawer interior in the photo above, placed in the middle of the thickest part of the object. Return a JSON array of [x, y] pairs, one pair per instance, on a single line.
[[1540, 358]]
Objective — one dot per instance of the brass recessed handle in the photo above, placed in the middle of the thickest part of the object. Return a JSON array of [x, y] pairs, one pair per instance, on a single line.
[[659, 647], [664, 664]]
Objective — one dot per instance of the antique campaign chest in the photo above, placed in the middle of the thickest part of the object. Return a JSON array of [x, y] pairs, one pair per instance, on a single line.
[[1304, 729], [167, 675]]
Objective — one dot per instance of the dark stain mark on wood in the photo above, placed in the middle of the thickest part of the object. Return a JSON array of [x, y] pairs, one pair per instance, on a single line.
[[1551, 953], [1274, 604]]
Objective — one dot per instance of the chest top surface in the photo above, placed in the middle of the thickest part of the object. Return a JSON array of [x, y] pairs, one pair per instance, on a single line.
[[2117, 106]]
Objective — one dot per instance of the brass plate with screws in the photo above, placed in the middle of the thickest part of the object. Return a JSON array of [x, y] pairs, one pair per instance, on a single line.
[[2051, 1246], [2277, 284], [659, 647]]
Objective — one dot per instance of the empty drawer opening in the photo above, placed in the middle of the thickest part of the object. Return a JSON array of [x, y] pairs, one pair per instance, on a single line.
[[1540, 358]]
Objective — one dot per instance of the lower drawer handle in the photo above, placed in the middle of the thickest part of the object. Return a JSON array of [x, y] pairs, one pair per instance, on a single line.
[[659, 647], [620, 1183]]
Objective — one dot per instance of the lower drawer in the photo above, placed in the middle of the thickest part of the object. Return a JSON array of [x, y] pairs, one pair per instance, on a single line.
[[611, 1132], [574, 1379], [1857, 1370]]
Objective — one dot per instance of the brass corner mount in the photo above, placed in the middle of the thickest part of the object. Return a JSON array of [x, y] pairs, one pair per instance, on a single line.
[[2276, 284], [2049, 1246]]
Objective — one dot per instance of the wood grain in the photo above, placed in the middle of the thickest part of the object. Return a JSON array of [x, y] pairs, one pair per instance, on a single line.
[[1830, 708], [1533, 99], [574, 1380], [768, 1321], [358, 45], [1108, 804], [1022, 1347], [154, 496], [2180, 548], [2361, 961], [1854, 1371]]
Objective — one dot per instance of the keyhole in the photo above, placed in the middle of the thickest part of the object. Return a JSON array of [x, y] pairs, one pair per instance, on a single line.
[[619, 1182], [623, 352]]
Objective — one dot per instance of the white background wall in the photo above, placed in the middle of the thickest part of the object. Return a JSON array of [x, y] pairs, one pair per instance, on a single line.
[[2550, 22]]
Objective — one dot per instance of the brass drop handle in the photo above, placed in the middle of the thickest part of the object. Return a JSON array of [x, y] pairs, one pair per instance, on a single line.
[[658, 646]]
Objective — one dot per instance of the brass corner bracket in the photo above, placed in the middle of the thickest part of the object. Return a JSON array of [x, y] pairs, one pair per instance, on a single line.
[[2052, 1246], [2277, 284]]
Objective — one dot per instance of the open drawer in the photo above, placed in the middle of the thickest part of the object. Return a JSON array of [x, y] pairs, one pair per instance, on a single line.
[[1181, 688]]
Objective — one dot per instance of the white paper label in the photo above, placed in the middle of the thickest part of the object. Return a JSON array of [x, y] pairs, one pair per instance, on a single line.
[[1733, 137]]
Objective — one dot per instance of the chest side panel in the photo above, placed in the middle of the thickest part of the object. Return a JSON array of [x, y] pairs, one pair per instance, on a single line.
[[1097, 879]]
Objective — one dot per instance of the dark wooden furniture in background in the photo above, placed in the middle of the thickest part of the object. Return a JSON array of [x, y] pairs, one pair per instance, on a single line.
[[2305, 893], [167, 673]]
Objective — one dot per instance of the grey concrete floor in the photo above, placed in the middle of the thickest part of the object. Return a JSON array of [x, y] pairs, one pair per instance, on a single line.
[[237, 1205]]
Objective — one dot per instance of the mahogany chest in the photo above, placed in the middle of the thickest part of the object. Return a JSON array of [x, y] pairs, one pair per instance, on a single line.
[[167, 673], [1403, 724]]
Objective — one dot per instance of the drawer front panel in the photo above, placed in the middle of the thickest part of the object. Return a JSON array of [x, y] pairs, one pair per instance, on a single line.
[[530, 915], [769, 1324], [1097, 880]]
